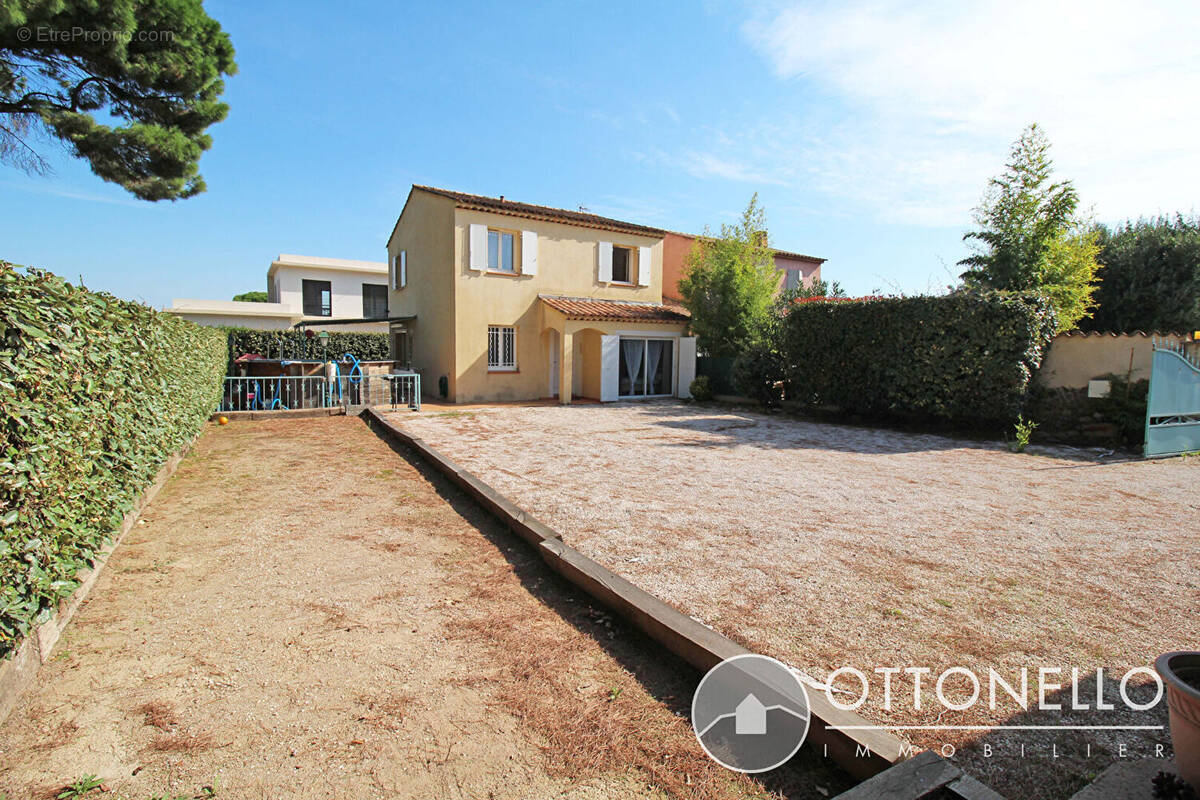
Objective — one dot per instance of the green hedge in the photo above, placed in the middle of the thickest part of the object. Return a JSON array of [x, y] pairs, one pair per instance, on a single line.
[[719, 371], [294, 344], [961, 358], [95, 394]]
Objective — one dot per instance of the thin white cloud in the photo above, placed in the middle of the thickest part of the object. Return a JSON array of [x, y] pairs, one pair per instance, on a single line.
[[726, 160], [49, 188], [924, 98]]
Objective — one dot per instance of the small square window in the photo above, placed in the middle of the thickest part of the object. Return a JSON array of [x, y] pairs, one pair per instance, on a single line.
[[621, 259], [502, 348], [500, 251]]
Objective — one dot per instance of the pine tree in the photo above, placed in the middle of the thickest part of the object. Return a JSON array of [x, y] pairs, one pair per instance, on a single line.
[[69, 68]]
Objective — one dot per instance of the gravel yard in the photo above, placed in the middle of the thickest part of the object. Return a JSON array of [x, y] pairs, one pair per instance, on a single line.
[[302, 613], [830, 546]]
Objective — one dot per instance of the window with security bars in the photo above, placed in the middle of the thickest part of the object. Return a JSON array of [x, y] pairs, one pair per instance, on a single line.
[[502, 348]]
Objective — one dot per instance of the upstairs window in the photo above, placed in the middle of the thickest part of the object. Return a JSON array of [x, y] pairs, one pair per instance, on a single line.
[[622, 256], [318, 298], [502, 348], [375, 300], [500, 251]]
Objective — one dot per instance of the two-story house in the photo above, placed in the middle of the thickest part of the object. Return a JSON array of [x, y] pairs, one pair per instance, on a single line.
[[337, 293], [511, 301]]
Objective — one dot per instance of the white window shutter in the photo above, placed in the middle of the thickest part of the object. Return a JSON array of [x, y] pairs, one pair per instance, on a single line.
[[643, 266], [478, 255], [529, 259], [403, 268], [610, 367], [392, 273], [605, 255], [687, 366]]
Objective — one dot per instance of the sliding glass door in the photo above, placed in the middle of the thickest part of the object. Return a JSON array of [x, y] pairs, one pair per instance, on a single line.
[[646, 367]]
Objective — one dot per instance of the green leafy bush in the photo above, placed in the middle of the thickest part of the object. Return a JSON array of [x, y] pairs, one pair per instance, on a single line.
[[95, 394], [700, 388], [294, 344], [1125, 407], [962, 358], [758, 373], [1023, 432]]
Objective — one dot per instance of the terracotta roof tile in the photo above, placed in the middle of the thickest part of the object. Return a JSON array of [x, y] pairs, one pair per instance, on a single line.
[[502, 206], [589, 308]]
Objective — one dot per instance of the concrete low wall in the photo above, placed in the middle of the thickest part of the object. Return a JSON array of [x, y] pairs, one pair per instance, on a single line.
[[861, 753], [1076, 358]]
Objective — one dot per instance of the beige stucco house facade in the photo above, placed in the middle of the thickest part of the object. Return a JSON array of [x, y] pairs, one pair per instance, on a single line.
[[511, 301]]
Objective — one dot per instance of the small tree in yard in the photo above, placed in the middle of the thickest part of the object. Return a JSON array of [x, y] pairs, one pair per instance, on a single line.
[[251, 297], [1029, 237], [729, 285], [70, 69]]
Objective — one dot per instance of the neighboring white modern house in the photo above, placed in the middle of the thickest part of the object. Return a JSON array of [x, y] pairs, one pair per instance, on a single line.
[[337, 293]]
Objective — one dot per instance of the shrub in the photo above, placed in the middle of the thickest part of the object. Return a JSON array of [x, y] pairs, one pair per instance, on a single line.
[[1125, 407], [1023, 431], [294, 344], [700, 388], [963, 358], [758, 373], [96, 393]]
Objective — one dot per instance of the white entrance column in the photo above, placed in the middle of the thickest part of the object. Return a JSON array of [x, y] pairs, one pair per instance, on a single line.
[[566, 367]]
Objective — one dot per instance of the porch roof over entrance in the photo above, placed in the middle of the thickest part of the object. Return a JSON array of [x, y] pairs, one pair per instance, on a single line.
[[590, 308]]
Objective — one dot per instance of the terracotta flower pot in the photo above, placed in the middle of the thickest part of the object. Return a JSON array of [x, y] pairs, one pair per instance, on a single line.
[[1180, 672]]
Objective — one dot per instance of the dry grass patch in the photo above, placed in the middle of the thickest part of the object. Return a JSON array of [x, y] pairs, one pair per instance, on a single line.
[[159, 715]]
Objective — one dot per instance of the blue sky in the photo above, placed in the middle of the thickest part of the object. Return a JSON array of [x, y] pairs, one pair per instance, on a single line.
[[869, 130]]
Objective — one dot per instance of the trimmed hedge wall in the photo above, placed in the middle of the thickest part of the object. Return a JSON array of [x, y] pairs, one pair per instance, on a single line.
[[294, 344], [962, 358], [95, 394]]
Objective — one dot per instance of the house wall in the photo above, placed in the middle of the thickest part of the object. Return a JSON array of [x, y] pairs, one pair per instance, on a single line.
[[568, 264], [236, 321], [676, 247], [345, 286], [425, 232], [809, 270], [588, 360], [1076, 358]]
